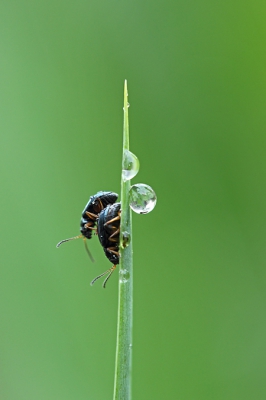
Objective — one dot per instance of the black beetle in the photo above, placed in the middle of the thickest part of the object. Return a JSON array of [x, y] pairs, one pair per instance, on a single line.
[[108, 229], [90, 214], [92, 209]]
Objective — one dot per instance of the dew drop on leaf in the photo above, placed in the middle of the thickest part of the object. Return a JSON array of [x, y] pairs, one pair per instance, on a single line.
[[125, 239], [130, 166], [124, 275], [142, 198]]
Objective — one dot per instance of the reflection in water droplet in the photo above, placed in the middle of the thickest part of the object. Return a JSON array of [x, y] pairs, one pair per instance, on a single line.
[[124, 275], [130, 165], [125, 239], [142, 198]]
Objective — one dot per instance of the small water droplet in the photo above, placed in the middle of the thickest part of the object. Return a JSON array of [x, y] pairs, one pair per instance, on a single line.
[[130, 165], [124, 275], [125, 239], [142, 198], [131, 345]]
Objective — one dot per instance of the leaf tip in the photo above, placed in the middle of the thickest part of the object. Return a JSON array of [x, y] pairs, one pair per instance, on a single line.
[[125, 89]]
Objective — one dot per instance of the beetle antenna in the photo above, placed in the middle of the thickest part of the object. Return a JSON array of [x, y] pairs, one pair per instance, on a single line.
[[87, 250], [109, 272], [108, 276], [67, 240]]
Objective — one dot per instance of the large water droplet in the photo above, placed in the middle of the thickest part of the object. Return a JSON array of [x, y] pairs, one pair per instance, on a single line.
[[130, 165], [142, 198], [124, 275], [125, 239]]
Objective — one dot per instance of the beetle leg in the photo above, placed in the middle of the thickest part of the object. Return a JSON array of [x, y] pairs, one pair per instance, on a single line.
[[114, 219], [101, 204], [91, 215], [98, 207], [113, 251], [115, 233], [113, 240], [89, 227], [89, 224]]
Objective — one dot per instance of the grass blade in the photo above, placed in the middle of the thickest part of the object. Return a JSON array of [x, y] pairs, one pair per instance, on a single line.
[[123, 363]]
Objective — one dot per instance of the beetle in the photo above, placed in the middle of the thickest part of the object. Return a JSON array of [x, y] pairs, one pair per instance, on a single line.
[[90, 214], [108, 229]]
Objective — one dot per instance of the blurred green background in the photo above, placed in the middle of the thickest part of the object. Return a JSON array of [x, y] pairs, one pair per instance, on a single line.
[[196, 73]]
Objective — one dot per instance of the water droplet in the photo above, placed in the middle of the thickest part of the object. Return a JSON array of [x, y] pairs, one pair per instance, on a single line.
[[130, 166], [131, 345], [125, 239], [124, 275], [142, 198]]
